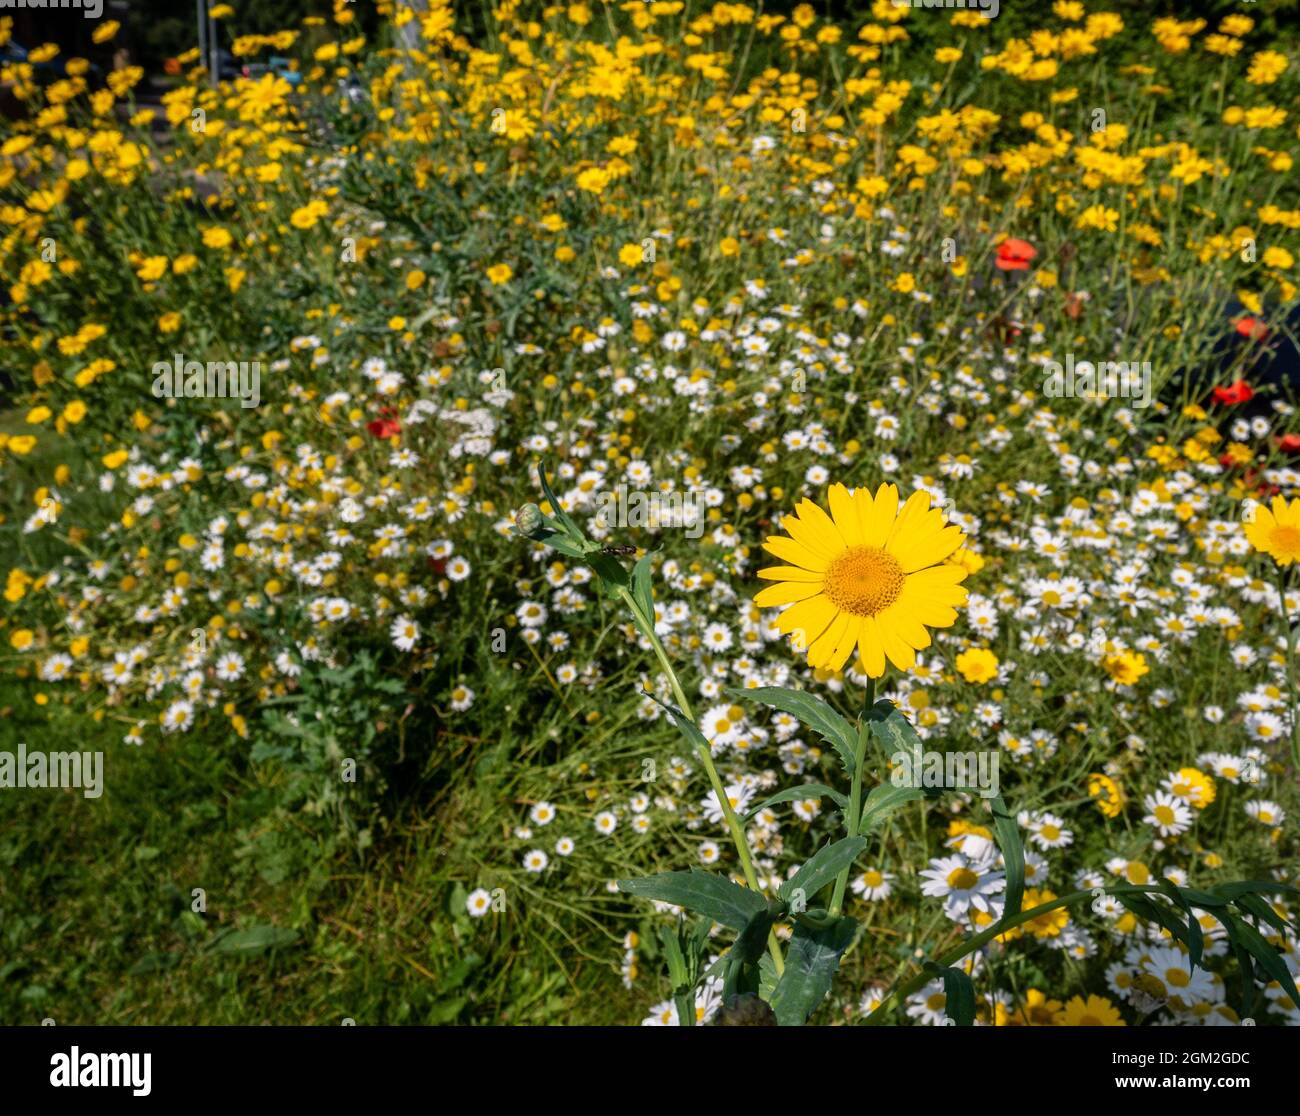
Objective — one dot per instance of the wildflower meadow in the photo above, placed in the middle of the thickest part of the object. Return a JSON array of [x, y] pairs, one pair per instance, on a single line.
[[662, 513]]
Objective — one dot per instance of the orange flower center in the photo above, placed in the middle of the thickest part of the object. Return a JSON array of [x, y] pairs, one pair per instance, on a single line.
[[1285, 539], [864, 580]]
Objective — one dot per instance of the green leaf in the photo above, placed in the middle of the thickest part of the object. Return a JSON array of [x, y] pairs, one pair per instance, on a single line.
[[893, 731], [612, 574], [1148, 909], [798, 794], [752, 942], [457, 974], [1013, 855], [766, 977], [821, 868], [685, 725], [256, 939], [1243, 964], [559, 513], [1206, 900], [713, 896], [813, 712], [884, 800], [959, 996], [1195, 937], [446, 1010], [558, 542], [154, 963], [810, 966], [1270, 961], [642, 592], [1254, 905], [1230, 891]]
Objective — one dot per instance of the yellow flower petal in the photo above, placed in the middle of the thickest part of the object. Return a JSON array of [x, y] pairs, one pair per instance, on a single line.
[[788, 573], [811, 617], [877, 515], [795, 552], [786, 593], [844, 513]]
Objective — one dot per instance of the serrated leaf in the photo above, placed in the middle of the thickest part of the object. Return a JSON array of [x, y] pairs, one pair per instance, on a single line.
[[798, 794], [893, 732], [1013, 855], [749, 946], [822, 867], [811, 711], [612, 574], [560, 543], [711, 895], [810, 966], [884, 800]]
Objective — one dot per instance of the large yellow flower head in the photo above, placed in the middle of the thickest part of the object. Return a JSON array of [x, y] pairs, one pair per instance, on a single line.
[[1277, 532], [869, 575]]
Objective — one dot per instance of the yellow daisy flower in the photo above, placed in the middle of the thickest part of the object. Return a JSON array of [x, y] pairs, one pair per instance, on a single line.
[[1277, 532], [869, 575], [1095, 1011]]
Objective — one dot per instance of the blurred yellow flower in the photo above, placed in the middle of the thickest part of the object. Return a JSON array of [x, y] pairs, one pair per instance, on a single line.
[[1275, 531]]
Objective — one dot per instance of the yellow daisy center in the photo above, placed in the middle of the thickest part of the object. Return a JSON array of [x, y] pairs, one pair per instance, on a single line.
[[962, 879], [864, 581]]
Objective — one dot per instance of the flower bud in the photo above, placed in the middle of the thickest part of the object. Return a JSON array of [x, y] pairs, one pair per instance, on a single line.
[[529, 521]]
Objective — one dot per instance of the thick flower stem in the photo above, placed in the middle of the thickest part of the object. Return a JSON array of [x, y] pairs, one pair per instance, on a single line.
[[646, 626], [855, 794]]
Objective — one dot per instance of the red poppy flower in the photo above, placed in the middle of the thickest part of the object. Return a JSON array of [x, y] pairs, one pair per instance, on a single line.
[[1239, 392], [1014, 255], [1289, 443], [386, 425], [1252, 328]]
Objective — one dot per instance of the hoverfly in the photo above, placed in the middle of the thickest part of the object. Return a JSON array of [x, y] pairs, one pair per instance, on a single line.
[[618, 551]]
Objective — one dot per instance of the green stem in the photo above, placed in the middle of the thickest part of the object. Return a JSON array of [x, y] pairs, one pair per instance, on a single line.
[[855, 793], [647, 628], [970, 945]]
